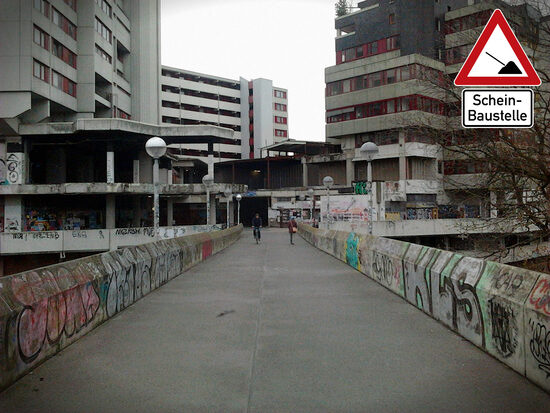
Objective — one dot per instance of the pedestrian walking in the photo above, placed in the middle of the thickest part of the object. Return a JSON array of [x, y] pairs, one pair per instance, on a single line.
[[292, 228]]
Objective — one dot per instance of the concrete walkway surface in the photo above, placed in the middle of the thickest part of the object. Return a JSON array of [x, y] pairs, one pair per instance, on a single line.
[[272, 328]]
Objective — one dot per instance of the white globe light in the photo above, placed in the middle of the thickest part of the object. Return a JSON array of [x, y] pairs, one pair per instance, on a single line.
[[239, 197], [328, 181], [155, 147], [207, 180], [369, 150]]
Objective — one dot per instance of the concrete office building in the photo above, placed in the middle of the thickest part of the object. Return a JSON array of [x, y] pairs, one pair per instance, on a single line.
[[255, 110], [389, 55]]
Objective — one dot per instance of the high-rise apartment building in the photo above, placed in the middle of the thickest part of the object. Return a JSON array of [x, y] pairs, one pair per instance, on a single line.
[[63, 60], [255, 110], [79, 97]]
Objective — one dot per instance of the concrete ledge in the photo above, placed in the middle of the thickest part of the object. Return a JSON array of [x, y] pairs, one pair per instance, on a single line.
[[502, 309], [45, 310]]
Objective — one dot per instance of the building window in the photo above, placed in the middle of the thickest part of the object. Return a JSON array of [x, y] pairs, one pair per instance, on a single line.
[[103, 5], [43, 6], [123, 115], [384, 77], [63, 23], [103, 31], [63, 53], [281, 133], [41, 38], [391, 18], [388, 106], [280, 119], [104, 55], [71, 4], [279, 94], [40, 71], [280, 107], [62, 83]]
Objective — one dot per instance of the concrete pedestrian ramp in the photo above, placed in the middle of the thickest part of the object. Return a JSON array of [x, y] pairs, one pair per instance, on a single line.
[[272, 328]]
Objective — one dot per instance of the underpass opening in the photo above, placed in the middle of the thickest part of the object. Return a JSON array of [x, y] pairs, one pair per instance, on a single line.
[[251, 205]]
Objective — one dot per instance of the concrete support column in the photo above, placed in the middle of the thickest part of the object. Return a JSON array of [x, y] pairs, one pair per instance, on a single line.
[[212, 209], [211, 159], [402, 157], [232, 213], [169, 212], [110, 212], [350, 168], [136, 171], [304, 173], [13, 214], [110, 167]]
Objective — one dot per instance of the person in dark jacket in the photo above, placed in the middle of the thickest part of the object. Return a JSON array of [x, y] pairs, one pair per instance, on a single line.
[[256, 225], [292, 228]]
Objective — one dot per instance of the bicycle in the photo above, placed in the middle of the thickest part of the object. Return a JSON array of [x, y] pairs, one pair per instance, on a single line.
[[257, 235]]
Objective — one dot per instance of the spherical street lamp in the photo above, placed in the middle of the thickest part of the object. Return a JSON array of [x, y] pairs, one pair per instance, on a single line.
[[311, 194], [327, 183], [238, 198], [369, 150], [155, 148], [228, 195], [208, 181]]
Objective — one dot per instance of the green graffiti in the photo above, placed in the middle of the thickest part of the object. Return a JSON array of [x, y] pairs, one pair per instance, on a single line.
[[361, 188], [352, 257]]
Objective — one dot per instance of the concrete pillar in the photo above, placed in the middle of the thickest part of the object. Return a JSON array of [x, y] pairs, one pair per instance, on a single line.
[[110, 212], [304, 172], [402, 157], [110, 167], [211, 159], [13, 213], [170, 177], [145, 168], [232, 213], [212, 209], [350, 169], [169, 212], [136, 171]]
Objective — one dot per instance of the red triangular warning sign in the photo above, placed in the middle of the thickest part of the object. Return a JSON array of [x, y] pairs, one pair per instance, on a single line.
[[497, 58]]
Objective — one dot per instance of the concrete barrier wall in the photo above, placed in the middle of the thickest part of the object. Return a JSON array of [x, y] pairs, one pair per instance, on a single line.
[[44, 310], [502, 309]]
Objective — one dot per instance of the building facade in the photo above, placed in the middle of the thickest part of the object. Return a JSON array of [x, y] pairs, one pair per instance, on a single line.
[[255, 110], [387, 83], [79, 97]]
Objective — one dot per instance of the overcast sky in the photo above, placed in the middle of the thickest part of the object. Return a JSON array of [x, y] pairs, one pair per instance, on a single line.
[[287, 41]]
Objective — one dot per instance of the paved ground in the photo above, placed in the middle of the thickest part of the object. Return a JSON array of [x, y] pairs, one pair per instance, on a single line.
[[303, 333]]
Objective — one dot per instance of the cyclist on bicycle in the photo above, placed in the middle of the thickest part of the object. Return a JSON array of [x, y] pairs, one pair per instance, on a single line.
[[256, 225]]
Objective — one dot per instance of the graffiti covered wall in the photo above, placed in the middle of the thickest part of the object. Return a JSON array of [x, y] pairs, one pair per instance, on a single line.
[[502, 309], [44, 310]]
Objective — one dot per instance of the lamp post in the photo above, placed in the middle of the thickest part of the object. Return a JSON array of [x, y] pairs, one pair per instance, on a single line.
[[369, 150], [228, 195], [311, 194], [155, 148], [238, 198], [327, 183], [208, 181], [302, 198]]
